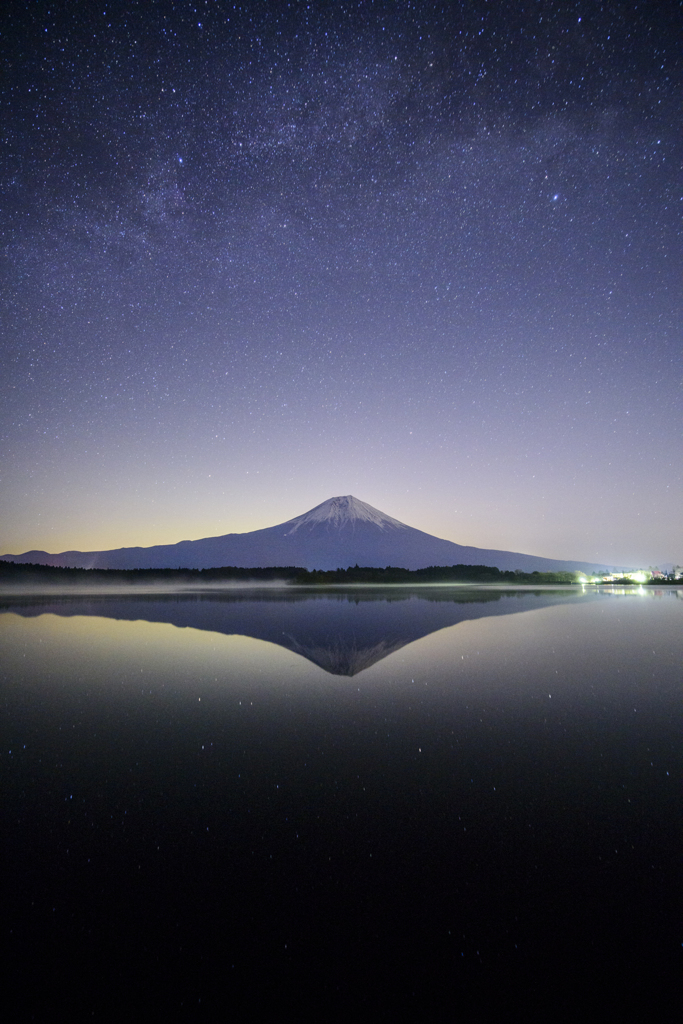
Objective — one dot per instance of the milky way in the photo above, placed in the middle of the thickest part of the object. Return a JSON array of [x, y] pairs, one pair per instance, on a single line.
[[257, 255]]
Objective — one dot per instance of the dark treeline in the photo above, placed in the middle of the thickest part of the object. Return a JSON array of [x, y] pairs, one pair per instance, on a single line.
[[432, 574], [27, 572], [21, 572]]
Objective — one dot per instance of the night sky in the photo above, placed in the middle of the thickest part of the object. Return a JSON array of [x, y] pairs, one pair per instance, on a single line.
[[256, 255]]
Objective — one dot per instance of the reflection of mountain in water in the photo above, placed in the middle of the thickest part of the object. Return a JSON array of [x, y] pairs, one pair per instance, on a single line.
[[343, 633], [344, 657]]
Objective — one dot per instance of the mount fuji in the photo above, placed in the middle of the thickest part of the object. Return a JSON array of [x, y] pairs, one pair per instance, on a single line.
[[340, 532]]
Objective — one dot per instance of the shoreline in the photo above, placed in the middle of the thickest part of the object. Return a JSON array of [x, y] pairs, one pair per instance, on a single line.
[[28, 589]]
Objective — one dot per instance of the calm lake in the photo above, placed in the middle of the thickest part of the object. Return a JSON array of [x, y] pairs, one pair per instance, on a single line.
[[434, 799]]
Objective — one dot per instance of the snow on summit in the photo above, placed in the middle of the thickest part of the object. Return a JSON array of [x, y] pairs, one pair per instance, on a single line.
[[345, 510]]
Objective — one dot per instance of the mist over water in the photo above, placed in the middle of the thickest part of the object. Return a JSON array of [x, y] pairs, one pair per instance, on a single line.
[[355, 799]]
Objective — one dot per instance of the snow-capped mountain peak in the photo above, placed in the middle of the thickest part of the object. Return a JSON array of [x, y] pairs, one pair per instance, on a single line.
[[342, 511]]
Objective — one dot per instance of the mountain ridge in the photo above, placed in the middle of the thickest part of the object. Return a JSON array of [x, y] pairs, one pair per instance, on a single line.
[[338, 532]]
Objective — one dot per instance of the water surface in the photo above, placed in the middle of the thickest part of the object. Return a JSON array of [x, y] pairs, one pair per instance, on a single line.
[[439, 797]]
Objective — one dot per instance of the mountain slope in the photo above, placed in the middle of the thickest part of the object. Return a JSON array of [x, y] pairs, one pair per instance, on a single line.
[[339, 532]]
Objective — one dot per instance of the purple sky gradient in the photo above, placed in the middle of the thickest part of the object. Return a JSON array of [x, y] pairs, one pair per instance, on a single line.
[[258, 255]]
